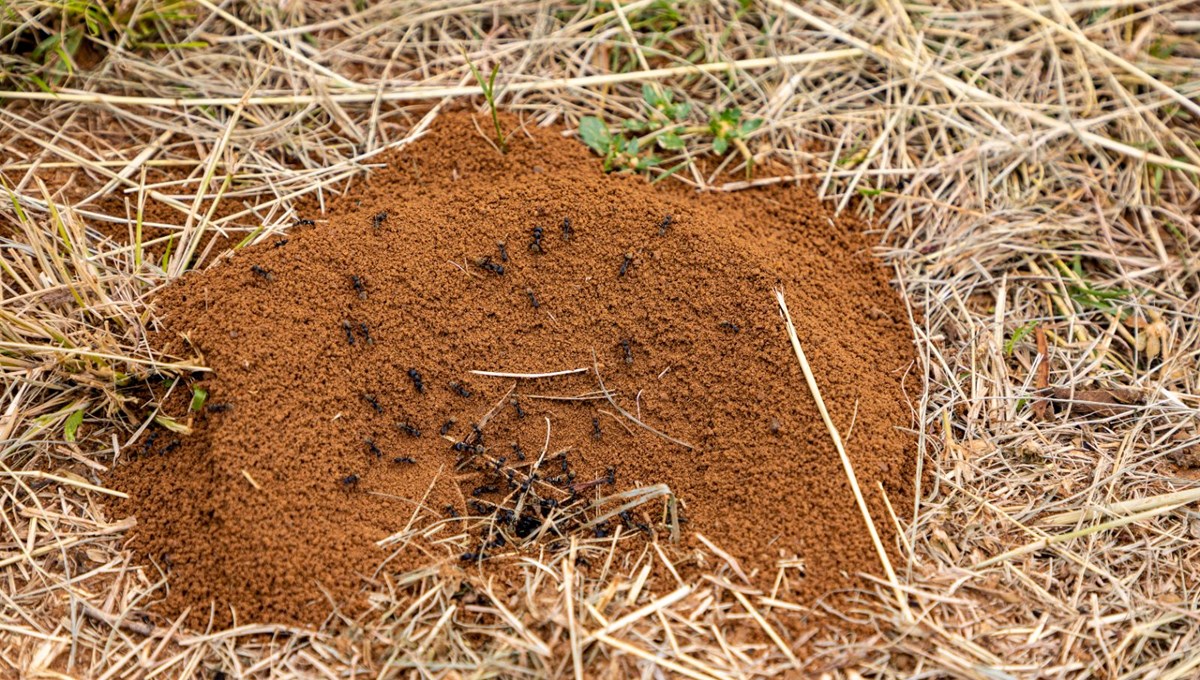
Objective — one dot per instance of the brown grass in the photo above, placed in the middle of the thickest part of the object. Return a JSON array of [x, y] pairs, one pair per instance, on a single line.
[[1032, 166]]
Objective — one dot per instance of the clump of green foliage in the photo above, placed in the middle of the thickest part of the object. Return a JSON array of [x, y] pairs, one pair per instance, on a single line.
[[669, 125], [45, 52]]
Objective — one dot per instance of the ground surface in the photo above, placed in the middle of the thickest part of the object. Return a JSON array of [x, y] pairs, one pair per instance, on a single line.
[[1031, 169]]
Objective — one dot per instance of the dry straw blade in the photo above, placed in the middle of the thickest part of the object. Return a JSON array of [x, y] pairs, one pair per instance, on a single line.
[[847, 466]]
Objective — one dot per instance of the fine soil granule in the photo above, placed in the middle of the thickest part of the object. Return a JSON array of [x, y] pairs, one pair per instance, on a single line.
[[341, 394]]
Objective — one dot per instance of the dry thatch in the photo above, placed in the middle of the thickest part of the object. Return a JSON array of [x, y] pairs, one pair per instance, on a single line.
[[1032, 165]]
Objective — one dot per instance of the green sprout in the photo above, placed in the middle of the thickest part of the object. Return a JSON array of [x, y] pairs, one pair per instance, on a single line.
[[72, 425], [489, 93], [198, 397]]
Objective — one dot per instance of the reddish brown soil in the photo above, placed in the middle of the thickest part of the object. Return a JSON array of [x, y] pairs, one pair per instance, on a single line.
[[709, 363]]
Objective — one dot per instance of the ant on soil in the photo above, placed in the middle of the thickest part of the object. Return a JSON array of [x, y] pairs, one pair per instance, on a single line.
[[219, 408], [627, 350], [532, 298], [451, 511], [537, 246], [473, 556], [359, 287], [596, 433], [366, 334], [446, 426], [731, 326], [350, 481], [517, 405], [404, 459], [566, 228], [485, 488], [149, 443], [171, 446], [281, 243], [409, 429], [349, 331], [370, 399], [460, 389], [304, 223], [379, 218], [374, 450], [262, 273], [502, 247], [625, 264], [487, 264], [417, 381], [518, 452], [662, 227]]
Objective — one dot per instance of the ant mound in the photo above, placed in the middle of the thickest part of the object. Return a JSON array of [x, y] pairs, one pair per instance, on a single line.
[[348, 399]]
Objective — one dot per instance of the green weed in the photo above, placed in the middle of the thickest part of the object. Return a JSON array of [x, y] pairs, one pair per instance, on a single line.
[[489, 93]]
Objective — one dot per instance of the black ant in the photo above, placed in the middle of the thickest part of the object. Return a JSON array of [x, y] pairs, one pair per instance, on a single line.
[[518, 452], [625, 264], [536, 246], [379, 218], [149, 443], [517, 405], [359, 287], [366, 334], [417, 381], [502, 247], [730, 326], [370, 399], [373, 448], [493, 267], [171, 446], [404, 459], [219, 408], [409, 429], [349, 331], [262, 273], [566, 228], [580, 560], [627, 350], [532, 298], [596, 428], [662, 227], [485, 488], [305, 223], [473, 556], [350, 481], [460, 389], [281, 242], [451, 511], [446, 426]]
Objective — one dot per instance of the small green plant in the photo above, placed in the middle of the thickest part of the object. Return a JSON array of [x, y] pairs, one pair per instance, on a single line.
[[489, 93], [72, 425], [666, 125], [199, 396]]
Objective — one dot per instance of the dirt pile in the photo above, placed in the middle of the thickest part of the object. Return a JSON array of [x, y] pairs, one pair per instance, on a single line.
[[342, 394]]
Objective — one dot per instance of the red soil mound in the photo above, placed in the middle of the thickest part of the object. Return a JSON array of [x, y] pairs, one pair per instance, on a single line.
[[340, 352]]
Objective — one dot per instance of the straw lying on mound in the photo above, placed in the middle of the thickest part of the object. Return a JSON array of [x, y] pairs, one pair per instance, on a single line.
[[343, 353]]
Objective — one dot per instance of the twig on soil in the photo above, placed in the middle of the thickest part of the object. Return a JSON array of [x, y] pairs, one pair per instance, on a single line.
[[901, 600]]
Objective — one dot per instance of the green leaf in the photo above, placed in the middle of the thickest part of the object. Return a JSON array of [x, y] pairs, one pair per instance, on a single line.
[[72, 425], [681, 111], [198, 397], [720, 146], [671, 141], [1017, 336], [651, 97], [750, 126], [593, 133], [634, 125]]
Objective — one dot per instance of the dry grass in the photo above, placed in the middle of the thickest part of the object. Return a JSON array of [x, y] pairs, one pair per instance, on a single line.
[[1032, 165]]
